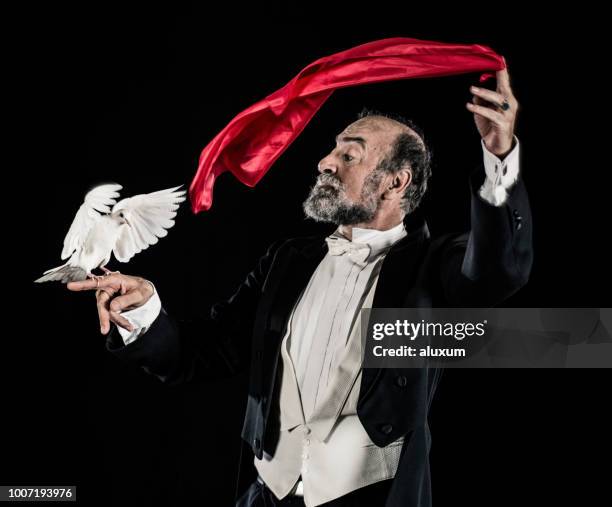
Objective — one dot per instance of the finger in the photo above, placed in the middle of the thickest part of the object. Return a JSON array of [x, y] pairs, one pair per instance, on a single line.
[[102, 300], [494, 98], [113, 281], [121, 321], [503, 82], [133, 297], [480, 102], [109, 290], [486, 112], [83, 285]]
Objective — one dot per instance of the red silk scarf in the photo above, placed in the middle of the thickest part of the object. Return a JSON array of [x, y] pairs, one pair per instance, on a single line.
[[256, 137]]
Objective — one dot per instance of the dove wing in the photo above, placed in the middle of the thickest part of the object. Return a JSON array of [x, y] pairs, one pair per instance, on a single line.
[[97, 200], [148, 218]]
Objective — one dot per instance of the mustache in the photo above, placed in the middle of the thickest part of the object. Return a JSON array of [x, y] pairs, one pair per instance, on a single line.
[[327, 179]]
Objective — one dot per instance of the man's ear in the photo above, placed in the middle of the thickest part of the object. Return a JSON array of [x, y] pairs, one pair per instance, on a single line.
[[399, 182]]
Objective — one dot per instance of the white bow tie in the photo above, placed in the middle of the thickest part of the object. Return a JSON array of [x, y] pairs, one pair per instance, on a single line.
[[357, 252]]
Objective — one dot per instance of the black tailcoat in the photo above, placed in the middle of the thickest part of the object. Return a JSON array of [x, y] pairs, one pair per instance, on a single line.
[[479, 268]]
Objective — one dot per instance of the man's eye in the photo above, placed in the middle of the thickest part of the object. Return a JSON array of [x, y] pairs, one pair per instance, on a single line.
[[347, 157]]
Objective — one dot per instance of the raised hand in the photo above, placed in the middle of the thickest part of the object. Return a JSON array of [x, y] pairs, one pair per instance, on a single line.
[[495, 114]]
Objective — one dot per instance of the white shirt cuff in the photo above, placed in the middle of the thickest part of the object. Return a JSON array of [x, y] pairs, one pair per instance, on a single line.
[[501, 174], [141, 318]]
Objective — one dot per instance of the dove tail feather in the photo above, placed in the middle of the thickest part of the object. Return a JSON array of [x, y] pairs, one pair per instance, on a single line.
[[64, 274]]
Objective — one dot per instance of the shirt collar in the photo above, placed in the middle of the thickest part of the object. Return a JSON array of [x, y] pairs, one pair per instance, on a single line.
[[377, 240]]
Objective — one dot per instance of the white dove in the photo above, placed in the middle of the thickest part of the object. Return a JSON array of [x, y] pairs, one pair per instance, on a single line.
[[132, 225]]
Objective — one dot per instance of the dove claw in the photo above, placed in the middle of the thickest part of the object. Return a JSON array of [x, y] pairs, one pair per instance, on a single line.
[[108, 271]]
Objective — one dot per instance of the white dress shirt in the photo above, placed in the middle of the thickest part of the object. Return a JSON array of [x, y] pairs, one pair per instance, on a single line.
[[328, 308]]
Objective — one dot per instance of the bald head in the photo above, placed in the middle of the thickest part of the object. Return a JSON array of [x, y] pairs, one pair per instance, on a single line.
[[377, 122]]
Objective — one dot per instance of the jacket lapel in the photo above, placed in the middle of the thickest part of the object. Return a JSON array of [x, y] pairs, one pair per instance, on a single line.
[[291, 278], [397, 276]]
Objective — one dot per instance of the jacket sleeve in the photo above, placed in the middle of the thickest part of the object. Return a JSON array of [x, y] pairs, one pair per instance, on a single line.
[[216, 346], [485, 266]]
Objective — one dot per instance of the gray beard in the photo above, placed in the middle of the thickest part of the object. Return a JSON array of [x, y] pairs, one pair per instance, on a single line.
[[327, 201]]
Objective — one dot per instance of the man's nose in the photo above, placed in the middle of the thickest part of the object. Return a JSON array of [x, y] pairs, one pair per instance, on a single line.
[[327, 166]]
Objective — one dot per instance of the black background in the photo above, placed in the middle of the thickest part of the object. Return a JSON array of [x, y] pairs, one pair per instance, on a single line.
[[132, 93]]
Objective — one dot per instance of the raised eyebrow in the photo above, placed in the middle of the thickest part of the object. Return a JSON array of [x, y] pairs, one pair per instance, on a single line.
[[348, 139]]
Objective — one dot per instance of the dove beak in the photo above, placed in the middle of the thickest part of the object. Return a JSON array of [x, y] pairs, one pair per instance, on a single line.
[[125, 220]]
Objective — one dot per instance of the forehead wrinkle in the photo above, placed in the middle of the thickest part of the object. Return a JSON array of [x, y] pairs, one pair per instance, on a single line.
[[351, 139], [373, 124]]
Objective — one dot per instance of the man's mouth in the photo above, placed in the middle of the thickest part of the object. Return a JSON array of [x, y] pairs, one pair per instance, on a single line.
[[328, 185]]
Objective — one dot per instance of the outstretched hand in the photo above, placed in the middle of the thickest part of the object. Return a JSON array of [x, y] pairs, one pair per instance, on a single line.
[[494, 121], [115, 293]]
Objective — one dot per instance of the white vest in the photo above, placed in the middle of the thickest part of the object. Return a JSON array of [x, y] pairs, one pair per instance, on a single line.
[[331, 451]]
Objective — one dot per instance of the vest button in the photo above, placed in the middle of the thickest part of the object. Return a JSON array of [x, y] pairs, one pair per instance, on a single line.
[[386, 428], [256, 443], [401, 381]]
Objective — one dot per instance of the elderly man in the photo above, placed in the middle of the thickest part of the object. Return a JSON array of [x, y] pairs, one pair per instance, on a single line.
[[325, 431]]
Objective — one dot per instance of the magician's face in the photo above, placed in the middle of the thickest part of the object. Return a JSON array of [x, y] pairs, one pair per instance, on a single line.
[[349, 188]]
